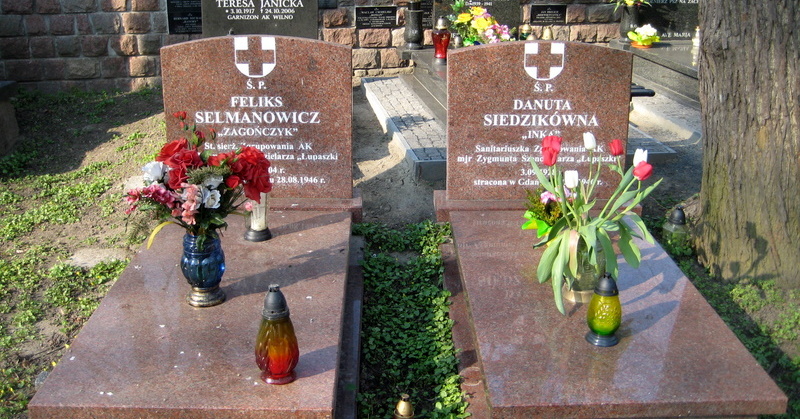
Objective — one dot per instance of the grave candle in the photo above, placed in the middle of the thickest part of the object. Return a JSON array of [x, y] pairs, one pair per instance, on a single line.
[[441, 40], [258, 221], [259, 216], [276, 344]]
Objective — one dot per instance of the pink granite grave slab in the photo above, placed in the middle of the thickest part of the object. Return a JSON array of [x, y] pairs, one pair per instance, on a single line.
[[290, 97], [503, 99], [146, 353], [676, 358]]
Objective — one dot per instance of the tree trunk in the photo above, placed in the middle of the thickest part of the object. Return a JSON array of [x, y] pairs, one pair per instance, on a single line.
[[750, 96]]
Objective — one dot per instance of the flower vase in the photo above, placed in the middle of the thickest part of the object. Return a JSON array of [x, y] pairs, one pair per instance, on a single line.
[[628, 22], [203, 265], [588, 276], [642, 46]]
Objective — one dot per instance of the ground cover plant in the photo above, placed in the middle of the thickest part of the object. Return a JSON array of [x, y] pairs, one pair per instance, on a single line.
[[765, 318], [59, 193], [406, 333]]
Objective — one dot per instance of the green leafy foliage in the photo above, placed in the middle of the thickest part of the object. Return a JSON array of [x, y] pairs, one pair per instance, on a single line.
[[45, 198], [749, 308], [407, 344]]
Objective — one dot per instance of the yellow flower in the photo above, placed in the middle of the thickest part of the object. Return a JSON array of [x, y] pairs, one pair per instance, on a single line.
[[464, 18], [477, 11], [481, 23]]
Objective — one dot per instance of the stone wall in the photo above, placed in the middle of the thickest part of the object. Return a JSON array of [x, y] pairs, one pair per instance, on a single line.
[[55, 45]]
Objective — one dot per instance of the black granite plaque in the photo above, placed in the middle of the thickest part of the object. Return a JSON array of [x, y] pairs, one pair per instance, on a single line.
[[268, 17], [184, 16], [674, 19], [555, 14], [375, 17], [427, 14]]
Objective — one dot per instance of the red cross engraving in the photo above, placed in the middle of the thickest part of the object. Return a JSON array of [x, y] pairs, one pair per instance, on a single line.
[[254, 56]]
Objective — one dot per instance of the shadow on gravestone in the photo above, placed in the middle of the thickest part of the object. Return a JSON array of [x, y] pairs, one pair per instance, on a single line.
[[498, 115], [289, 97]]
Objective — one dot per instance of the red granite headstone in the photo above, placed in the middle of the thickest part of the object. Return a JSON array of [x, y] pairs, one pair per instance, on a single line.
[[289, 97], [504, 99]]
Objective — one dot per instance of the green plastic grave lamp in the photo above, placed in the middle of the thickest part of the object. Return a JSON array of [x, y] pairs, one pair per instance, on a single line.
[[675, 231], [604, 314]]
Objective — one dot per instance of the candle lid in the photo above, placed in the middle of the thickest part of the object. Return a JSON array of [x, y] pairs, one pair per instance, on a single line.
[[441, 23], [275, 307], [606, 287]]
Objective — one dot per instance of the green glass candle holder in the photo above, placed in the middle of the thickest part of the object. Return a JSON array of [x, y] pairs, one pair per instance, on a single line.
[[605, 313]]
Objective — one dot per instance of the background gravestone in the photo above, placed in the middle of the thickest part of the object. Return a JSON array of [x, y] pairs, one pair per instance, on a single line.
[[289, 97], [184, 16], [674, 19], [497, 119], [273, 17]]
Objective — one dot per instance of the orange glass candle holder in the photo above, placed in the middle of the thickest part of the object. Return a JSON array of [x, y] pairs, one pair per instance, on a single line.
[[276, 345]]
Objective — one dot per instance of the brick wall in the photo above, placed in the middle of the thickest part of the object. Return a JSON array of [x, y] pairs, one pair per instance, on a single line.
[[55, 45]]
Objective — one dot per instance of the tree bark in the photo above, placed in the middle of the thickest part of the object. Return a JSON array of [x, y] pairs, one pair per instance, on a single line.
[[750, 97]]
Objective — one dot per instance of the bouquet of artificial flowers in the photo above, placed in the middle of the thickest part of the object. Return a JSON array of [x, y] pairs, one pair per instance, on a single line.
[[189, 186], [477, 26]]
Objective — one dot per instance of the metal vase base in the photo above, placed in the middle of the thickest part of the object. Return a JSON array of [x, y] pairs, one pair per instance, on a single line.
[[206, 297], [601, 340], [257, 235]]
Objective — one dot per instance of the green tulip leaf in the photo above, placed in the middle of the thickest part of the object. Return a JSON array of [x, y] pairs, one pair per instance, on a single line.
[[543, 180], [546, 262], [629, 249], [573, 239], [640, 224], [608, 250], [557, 285]]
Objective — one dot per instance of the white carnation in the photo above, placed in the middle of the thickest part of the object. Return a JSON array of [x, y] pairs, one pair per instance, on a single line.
[[212, 182], [211, 198], [154, 172]]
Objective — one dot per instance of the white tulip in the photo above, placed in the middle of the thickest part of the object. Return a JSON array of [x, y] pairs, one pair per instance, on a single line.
[[639, 156], [589, 142], [571, 179]]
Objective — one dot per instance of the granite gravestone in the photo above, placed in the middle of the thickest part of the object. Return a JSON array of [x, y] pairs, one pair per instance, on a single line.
[[274, 17], [674, 19], [289, 97], [497, 119]]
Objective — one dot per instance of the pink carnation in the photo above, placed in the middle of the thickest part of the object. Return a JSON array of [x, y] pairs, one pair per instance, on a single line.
[[191, 195]]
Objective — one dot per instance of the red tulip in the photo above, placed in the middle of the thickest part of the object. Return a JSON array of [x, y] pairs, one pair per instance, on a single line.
[[549, 156], [643, 170], [180, 115], [616, 147], [552, 141]]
